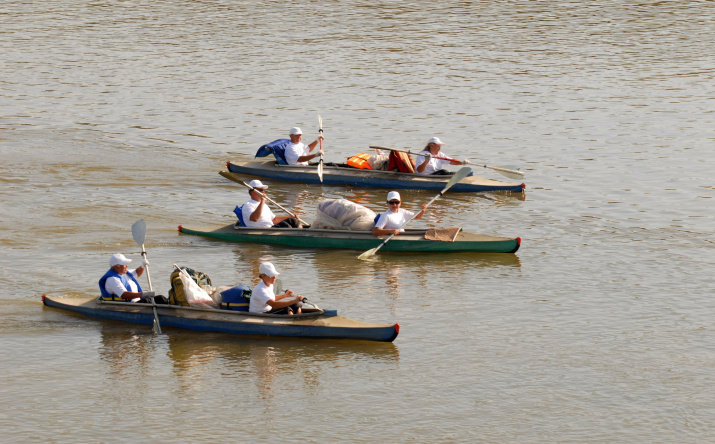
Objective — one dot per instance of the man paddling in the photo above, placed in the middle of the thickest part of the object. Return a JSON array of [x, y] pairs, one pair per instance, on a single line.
[[298, 153], [263, 298], [120, 283], [430, 159], [256, 213]]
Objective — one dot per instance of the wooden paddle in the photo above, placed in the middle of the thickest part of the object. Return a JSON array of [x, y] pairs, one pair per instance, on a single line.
[[320, 163], [512, 174], [459, 175], [275, 203], [139, 234]]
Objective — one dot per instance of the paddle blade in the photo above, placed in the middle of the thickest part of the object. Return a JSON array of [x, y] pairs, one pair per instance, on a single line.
[[511, 174], [368, 254], [139, 231], [458, 176], [156, 328], [320, 169]]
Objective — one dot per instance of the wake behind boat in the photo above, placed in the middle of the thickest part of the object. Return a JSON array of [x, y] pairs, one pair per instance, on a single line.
[[316, 323], [412, 240], [340, 174]]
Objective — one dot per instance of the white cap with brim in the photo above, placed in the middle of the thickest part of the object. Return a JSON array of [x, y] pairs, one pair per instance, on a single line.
[[436, 141], [257, 184], [118, 259], [268, 269], [295, 131], [393, 195]]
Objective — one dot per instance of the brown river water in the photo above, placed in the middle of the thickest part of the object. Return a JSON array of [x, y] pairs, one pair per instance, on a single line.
[[599, 329]]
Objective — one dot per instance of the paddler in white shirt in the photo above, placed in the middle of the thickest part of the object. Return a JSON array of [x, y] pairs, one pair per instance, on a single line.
[[395, 217], [298, 153], [429, 162], [256, 213]]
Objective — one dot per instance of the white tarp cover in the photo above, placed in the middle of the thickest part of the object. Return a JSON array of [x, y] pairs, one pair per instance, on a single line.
[[342, 214], [195, 295]]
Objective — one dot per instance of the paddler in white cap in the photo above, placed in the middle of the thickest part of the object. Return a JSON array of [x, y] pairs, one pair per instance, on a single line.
[[264, 300], [430, 160], [256, 214], [120, 283], [298, 153], [395, 217]]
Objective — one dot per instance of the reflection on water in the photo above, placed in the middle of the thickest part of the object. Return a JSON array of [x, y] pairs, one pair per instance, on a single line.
[[267, 361], [126, 348]]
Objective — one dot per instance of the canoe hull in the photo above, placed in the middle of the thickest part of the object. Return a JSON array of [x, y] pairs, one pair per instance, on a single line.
[[333, 175], [412, 241], [242, 323]]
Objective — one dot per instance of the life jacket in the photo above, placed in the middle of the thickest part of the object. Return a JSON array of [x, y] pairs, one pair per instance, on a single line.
[[360, 161], [277, 148], [401, 162], [239, 214], [176, 293], [106, 296]]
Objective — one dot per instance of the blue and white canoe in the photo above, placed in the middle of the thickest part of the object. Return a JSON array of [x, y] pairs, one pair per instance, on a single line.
[[346, 175], [313, 323]]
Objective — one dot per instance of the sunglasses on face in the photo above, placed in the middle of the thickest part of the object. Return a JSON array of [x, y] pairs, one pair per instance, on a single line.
[[394, 202]]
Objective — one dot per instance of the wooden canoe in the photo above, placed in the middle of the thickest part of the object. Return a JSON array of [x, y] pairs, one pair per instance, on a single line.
[[410, 241], [318, 324], [345, 175]]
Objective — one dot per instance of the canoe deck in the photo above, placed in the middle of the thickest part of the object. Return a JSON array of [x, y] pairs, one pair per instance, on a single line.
[[410, 241], [307, 325], [343, 175]]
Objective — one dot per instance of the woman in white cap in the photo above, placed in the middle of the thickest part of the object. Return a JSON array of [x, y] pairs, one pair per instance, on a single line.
[[264, 300], [395, 217], [298, 153], [430, 159], [256, 213], [120, 283]]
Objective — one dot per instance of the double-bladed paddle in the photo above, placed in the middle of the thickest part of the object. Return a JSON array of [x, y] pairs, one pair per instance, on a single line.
[[320, 163], [275, 203], [459, 175], [139, 234], [512, 174]]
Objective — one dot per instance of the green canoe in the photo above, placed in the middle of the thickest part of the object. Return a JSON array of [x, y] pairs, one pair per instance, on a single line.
[[417, 241]]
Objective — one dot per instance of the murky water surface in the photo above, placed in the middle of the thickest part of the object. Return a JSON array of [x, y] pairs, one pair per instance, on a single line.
[[600, 329]]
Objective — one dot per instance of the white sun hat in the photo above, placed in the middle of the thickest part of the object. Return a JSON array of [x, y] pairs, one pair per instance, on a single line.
[[268, 269], [436, 140], [118, 259], [257, 184], [295, 131]]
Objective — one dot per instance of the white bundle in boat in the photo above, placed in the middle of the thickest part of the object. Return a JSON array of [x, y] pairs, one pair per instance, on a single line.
[[378, 161], [195, 295], [342, 214]]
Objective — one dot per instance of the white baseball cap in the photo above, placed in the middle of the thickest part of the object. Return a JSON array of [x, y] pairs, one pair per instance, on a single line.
[[295, 130], [257, 184], [118, 259], [436, 140], [393, 195], [268, 269]]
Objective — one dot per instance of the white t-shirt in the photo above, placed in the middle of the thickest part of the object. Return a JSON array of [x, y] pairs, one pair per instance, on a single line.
[[260, 296], [389, 220], [294, 151], [266, 219], [433, 165], [117, 286]]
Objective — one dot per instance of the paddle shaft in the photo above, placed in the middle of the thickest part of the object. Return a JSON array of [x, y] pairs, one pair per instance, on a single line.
[[514, 174], [320, 163], [139, 234], [275, 203], [459, 175]]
